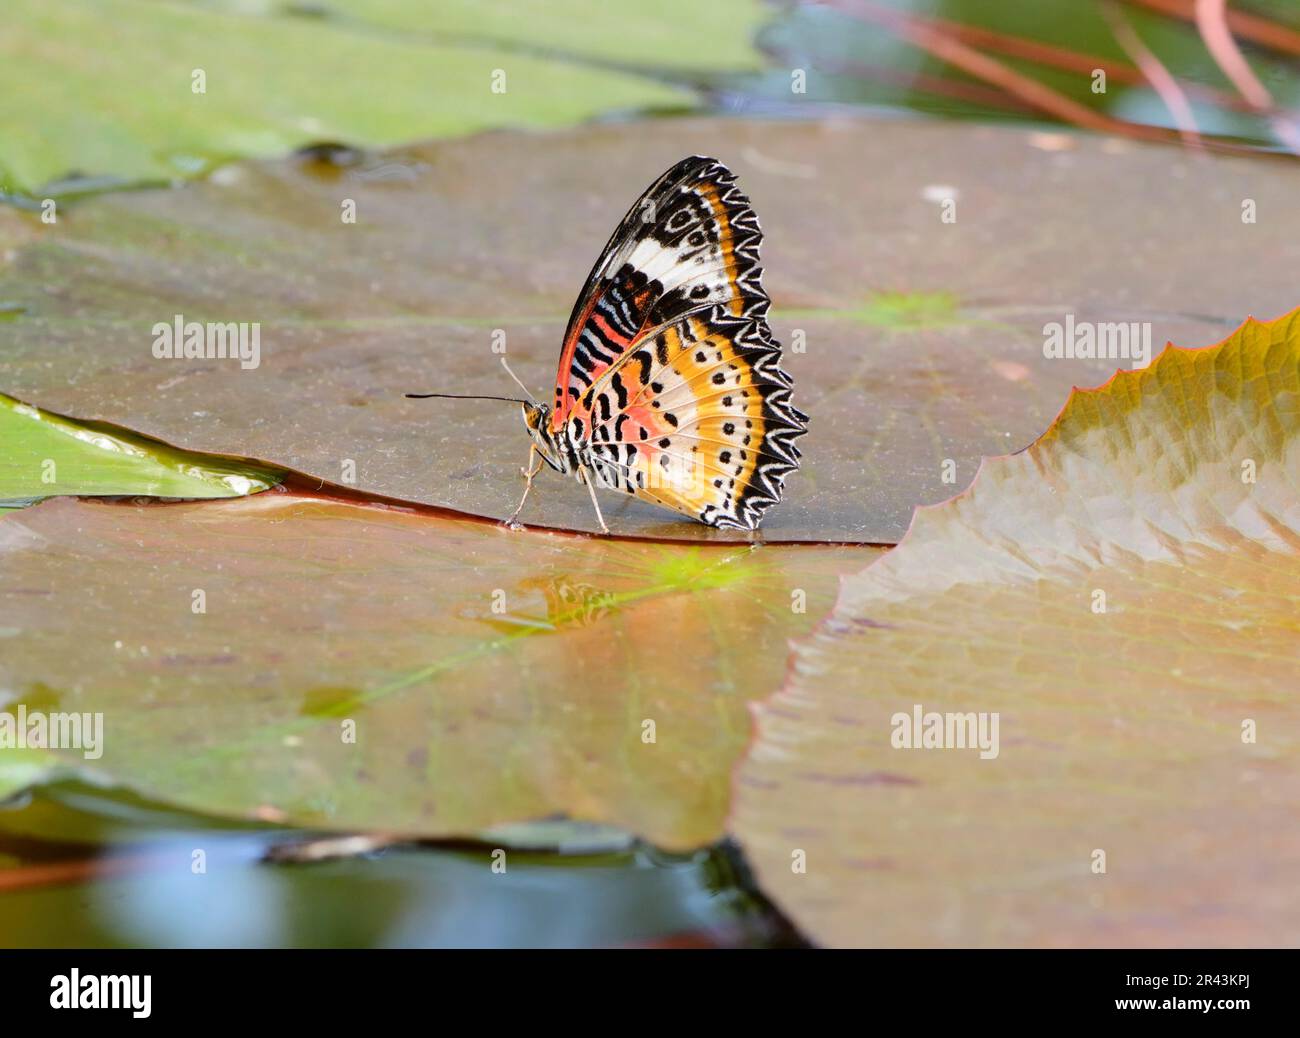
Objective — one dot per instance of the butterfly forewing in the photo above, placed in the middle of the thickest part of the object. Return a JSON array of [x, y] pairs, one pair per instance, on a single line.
[[669, 379], [689, 242]]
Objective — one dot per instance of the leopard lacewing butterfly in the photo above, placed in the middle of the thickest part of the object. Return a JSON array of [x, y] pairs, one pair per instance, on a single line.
[[669, 386]]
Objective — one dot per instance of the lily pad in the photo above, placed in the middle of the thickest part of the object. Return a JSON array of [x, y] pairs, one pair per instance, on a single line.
[[916, 345], [1122, 597], [637, 36], [46, 454], [489, 676], [22, 769], [135, 111]]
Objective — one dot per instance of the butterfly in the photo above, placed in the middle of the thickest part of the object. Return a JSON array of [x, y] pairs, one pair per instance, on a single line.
[[669, 385]]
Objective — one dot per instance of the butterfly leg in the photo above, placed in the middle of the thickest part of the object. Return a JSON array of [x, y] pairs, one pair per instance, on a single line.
[[591, 487], [528, 471]]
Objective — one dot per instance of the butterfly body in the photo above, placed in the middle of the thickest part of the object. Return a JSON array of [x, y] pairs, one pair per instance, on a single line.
[[557, 451], [669, 386]]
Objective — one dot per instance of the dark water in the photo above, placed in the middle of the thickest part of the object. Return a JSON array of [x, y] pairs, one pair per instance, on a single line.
[[81, 867]]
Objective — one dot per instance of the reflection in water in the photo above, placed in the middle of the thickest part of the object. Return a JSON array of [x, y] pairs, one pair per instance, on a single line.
[[172, 905], [642, 572], [571, 603]]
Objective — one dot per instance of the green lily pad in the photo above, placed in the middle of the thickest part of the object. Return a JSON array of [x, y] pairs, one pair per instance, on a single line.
[[275, 82], [637, 36], [922, 342], [46, 454], [22, 769], [488, 675]]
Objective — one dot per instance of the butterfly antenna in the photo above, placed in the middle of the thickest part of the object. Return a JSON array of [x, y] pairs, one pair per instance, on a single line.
[[516, 378], [461, 396]]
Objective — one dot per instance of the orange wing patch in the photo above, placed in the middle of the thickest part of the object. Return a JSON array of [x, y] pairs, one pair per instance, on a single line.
[[726, 242]]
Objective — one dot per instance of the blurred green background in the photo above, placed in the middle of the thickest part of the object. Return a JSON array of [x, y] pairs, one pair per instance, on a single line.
[[97, 93]]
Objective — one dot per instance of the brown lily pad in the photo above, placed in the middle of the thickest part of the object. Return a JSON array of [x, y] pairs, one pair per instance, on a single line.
[[922, 341], [1121, 599], [488, 675]]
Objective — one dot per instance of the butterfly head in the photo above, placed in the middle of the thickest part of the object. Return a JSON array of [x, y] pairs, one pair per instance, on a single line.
[[537, 419]]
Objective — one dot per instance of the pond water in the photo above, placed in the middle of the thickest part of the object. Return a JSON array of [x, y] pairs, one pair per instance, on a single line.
[[81, 867]]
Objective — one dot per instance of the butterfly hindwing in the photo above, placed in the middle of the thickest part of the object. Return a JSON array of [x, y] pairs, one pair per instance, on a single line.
[[706, 426]]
